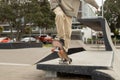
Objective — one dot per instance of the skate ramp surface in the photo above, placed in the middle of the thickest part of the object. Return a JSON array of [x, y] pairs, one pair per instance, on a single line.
[[79, 44]]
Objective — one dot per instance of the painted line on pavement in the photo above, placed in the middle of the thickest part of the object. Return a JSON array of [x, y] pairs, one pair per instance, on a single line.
[[15, 64]]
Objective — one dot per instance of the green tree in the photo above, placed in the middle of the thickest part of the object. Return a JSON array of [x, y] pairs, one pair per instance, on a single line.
[[112, 14], [28, 30], [40, 14], [6, 14], [1, 29], [19, 14]]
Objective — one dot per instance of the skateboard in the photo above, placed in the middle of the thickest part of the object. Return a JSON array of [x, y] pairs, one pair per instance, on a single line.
[[58, 48]]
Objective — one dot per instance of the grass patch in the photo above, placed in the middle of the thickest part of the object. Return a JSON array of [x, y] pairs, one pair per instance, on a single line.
[[47, 45]]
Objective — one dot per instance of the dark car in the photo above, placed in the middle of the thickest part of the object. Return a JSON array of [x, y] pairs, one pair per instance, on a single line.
[[45, 38]]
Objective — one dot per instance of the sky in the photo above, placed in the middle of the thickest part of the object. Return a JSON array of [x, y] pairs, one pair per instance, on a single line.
[[99, 2]]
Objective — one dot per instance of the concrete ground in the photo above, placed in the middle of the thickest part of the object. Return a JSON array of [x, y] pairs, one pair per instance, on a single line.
[[23, 56], [17, 64], [8, 72]]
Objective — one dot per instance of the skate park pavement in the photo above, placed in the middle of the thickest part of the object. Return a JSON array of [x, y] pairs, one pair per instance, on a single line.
[[18, 64]]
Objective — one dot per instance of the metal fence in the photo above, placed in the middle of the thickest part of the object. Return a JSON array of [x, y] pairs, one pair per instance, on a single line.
[[101, 42]]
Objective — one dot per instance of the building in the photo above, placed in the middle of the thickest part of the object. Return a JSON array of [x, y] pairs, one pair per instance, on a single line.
[[88, 9]]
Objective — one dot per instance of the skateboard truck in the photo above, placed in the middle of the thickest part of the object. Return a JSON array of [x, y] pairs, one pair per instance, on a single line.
[[64, 61]]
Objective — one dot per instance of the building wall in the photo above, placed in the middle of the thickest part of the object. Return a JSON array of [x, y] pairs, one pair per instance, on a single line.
[[88, 11], [88, 33]]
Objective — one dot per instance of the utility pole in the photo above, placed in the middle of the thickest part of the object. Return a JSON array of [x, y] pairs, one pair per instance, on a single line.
[[102, 8]]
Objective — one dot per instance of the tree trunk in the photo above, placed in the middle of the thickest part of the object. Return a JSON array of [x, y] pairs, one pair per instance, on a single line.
[[11, 31]]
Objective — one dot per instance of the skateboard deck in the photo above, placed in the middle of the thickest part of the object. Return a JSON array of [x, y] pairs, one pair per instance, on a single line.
[[58, 47]]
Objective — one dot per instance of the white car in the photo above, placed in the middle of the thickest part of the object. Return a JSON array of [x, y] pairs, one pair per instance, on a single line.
[[28, 39]]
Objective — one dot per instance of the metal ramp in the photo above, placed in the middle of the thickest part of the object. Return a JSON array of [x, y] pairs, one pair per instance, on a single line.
[[83, 63], [86, 62]]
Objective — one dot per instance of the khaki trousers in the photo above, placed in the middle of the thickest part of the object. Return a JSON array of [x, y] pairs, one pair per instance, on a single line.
[[63, 25]]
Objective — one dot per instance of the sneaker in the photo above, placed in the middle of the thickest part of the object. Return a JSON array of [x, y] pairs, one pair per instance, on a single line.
[[62, 42], [57, 49]]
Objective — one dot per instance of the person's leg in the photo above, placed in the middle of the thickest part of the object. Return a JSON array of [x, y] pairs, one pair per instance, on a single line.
[[59, 21], [63, 25], [68, 30]]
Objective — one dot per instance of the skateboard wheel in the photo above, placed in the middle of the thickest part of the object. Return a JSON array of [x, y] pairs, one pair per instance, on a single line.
[[70, 60]]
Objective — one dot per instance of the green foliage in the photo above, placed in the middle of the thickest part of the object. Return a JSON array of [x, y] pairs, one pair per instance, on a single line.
[[116, 32], [89, 40], [28, 30], [112, 14], [1, 29], [47, 16], [18, 14], [6, 13]]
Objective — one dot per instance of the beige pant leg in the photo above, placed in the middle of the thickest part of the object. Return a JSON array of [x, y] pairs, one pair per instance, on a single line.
[[68, 30], [63, 25]]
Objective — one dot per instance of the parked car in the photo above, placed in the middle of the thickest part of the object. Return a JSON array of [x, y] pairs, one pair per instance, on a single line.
[[45, 38], [4, 39], [28, 39]]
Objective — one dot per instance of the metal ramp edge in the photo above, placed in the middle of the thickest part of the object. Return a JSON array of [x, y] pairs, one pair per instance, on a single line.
[[83, 63]]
